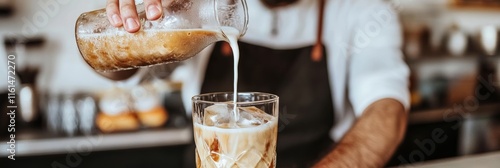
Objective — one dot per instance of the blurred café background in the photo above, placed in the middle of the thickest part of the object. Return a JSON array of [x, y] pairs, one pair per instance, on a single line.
[[451, 46]]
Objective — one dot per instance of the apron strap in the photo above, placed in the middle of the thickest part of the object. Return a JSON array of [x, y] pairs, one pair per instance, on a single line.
[[317, 51]]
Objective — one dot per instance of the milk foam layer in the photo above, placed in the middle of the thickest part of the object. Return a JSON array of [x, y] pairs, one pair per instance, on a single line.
[[219, 115]]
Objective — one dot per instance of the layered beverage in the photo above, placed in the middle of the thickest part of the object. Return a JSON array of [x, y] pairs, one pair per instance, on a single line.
[[122, 50], [223, 143]]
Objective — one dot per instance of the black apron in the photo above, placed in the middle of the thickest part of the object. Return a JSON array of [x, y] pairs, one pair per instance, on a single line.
[[306, 109]]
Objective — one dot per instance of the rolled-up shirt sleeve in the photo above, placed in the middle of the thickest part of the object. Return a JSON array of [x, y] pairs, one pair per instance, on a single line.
[[376, 66]]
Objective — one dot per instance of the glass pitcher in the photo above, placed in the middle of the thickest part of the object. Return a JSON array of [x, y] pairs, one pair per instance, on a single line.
[[185, 28]]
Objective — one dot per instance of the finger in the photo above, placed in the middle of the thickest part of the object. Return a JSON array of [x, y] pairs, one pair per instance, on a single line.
[[129, 15], [113, 13], [153, 9]]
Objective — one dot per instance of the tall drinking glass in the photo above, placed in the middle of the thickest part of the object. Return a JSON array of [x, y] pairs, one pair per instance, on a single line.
[[224, 142]]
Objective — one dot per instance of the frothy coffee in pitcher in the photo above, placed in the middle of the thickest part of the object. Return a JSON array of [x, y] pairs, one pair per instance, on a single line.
[[184, 29], [119, 51]]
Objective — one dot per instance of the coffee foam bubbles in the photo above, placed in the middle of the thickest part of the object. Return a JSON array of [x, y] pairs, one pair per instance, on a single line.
[[123, 50]]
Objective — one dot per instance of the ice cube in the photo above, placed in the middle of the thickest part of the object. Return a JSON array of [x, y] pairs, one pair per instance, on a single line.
[[220, 115], [216, 115], [252, 116]]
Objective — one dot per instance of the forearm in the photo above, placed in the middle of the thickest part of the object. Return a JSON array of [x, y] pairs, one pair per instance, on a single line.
[[373, 138]]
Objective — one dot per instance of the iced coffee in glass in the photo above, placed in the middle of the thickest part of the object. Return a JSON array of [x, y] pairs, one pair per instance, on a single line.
[[228, 138]]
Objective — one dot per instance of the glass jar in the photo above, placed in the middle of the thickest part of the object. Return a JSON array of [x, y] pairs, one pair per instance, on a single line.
[[185, 28]]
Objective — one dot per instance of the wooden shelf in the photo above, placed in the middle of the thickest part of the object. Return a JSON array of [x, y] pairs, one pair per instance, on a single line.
[[475, 5], [444, 57], [438, 115]]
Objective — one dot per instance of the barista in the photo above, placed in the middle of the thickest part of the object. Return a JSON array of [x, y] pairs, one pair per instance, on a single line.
[[339, 74]]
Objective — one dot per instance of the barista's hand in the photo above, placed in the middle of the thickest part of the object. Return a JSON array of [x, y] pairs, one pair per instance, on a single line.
[[123, 12]]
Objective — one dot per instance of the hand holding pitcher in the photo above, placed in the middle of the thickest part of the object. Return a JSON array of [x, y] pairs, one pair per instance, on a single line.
[[180, 31]]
